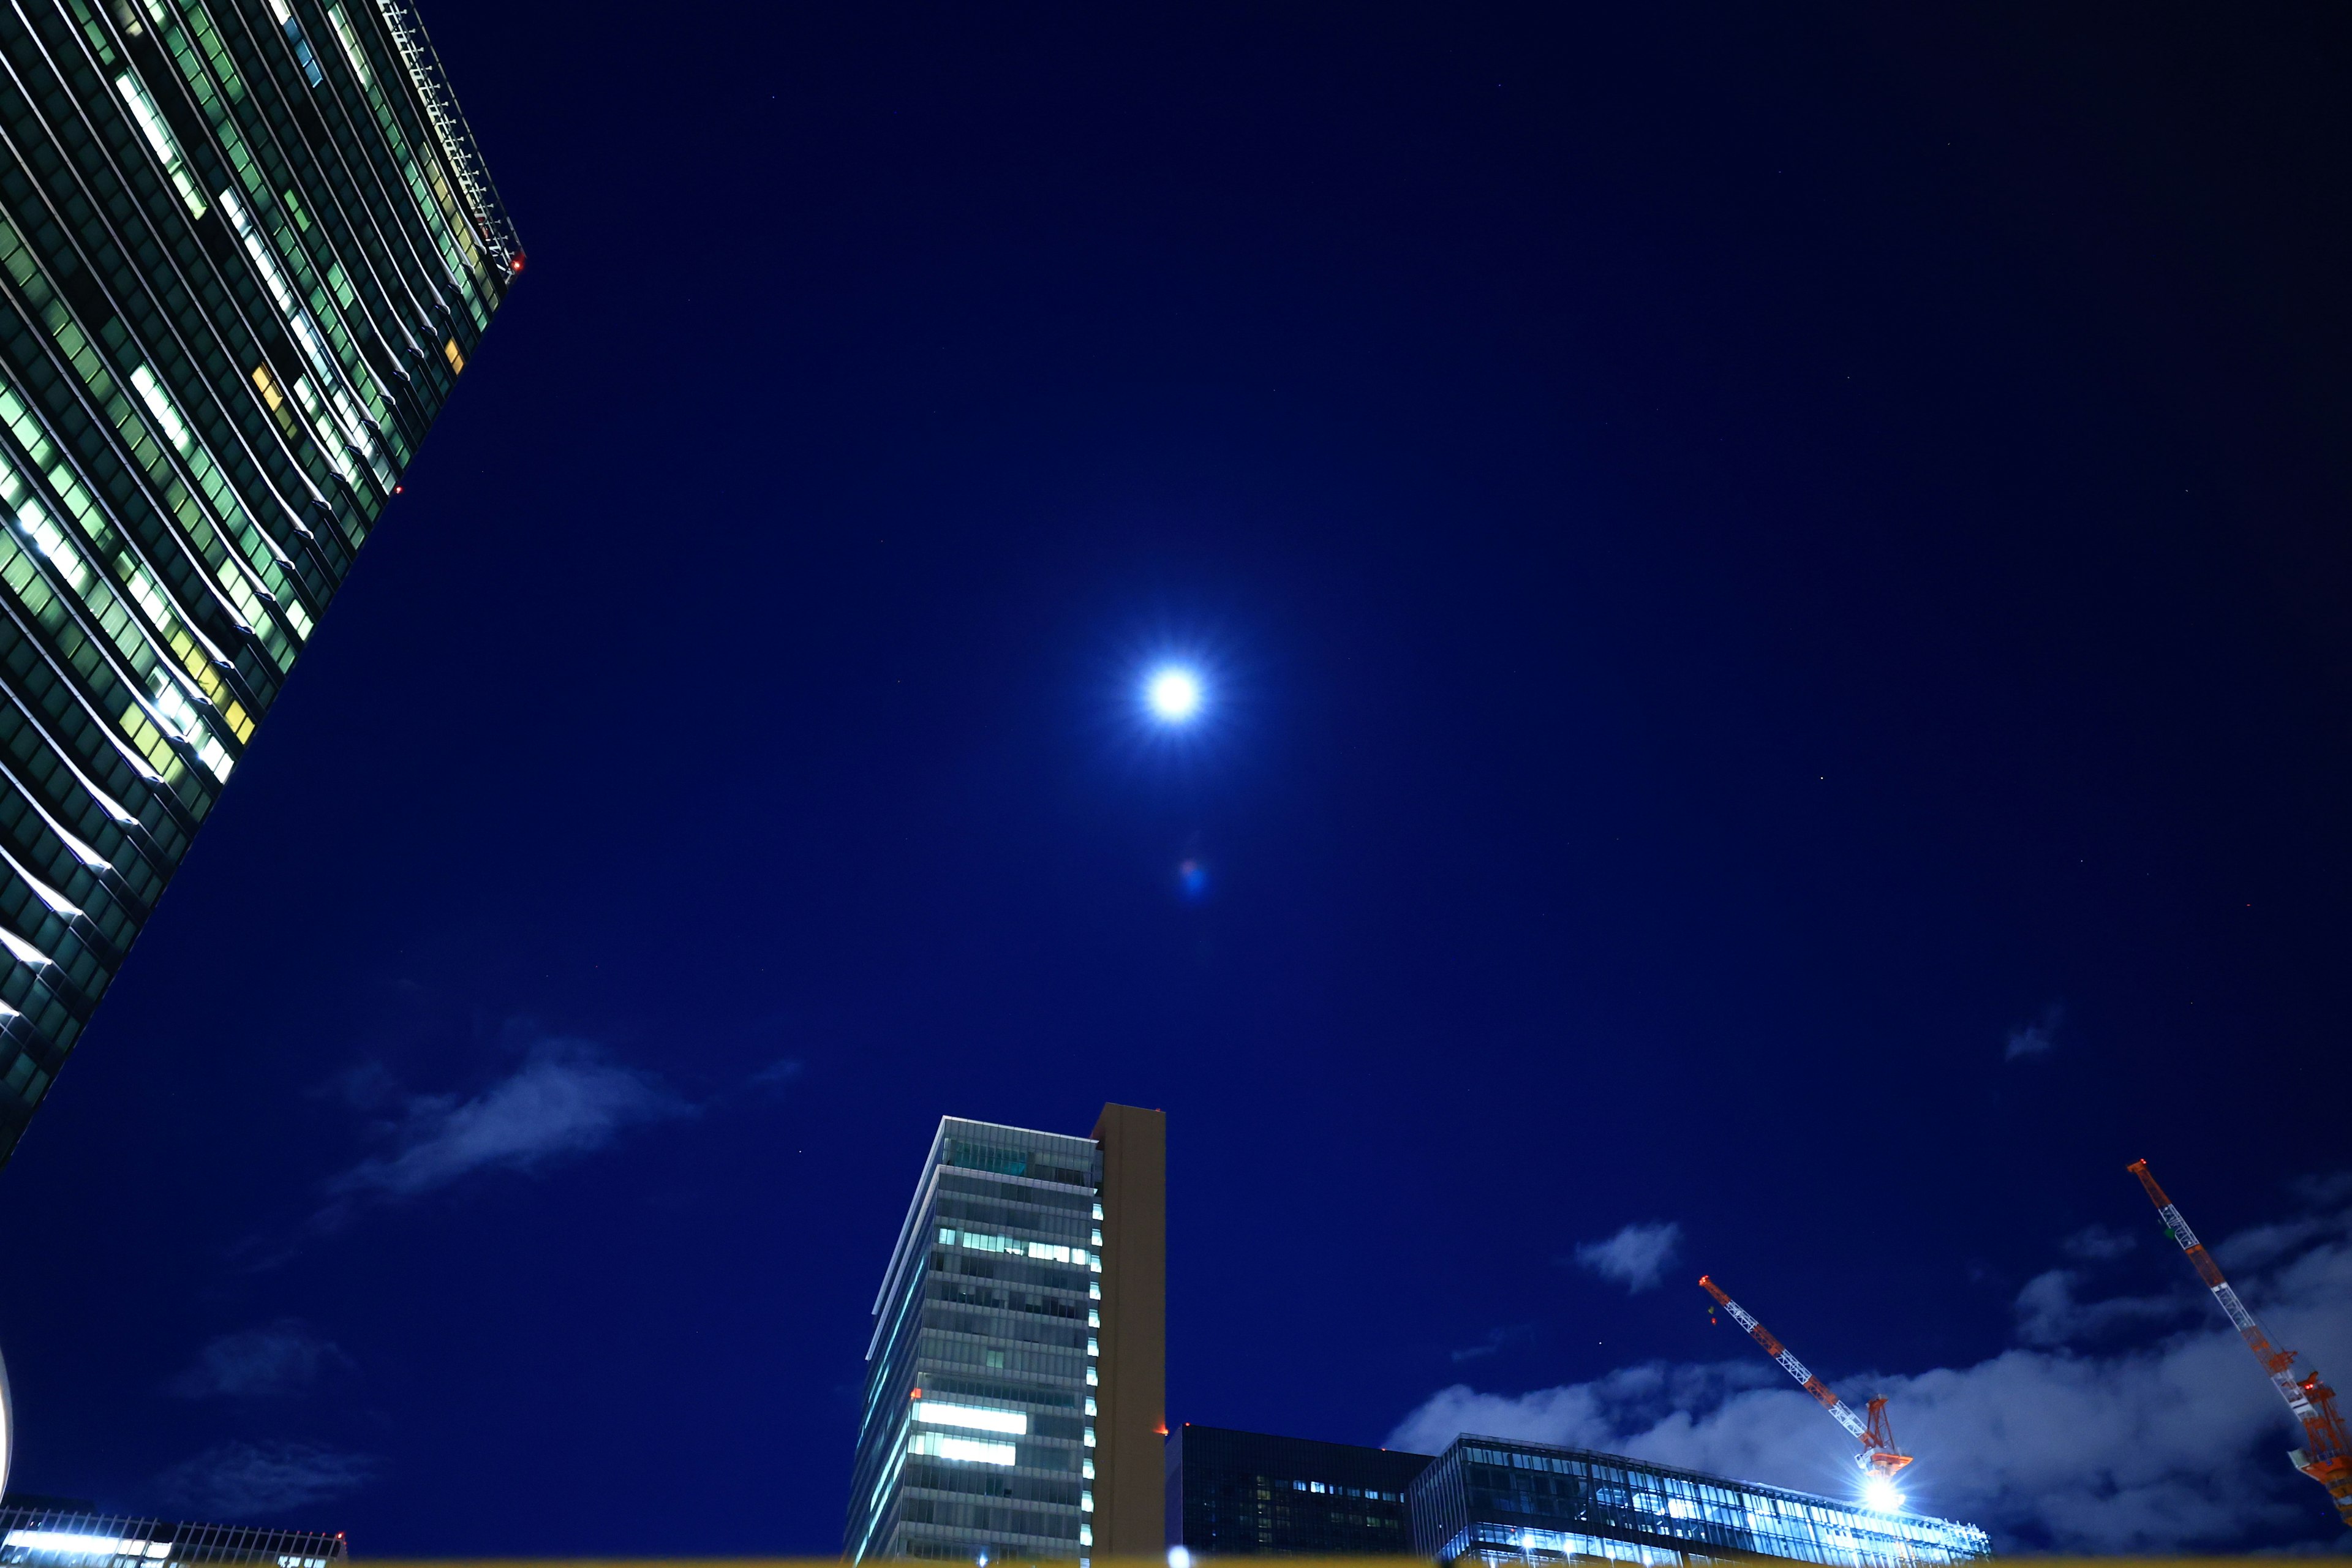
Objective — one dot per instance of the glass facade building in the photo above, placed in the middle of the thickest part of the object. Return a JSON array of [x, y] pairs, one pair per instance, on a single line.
[[48, 1538], [246, 248], [1499, 1501], [986, 1425], [1244, 1493]]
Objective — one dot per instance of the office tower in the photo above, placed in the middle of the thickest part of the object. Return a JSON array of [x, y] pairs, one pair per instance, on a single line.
[[34, 1532], [1013, 1383], [1234, 1494], [246, 248], [1497, 1501]]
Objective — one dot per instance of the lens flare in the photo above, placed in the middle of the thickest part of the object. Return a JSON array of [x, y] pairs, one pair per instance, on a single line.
[[1880, 1493]]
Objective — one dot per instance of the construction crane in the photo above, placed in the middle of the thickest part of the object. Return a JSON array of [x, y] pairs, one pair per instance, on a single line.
[[2328, 1458], [1879, 1456]]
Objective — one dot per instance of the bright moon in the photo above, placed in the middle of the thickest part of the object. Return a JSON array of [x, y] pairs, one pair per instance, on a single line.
[[1174, 694]]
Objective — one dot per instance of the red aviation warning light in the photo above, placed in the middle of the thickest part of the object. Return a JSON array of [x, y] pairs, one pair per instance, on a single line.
[[1878, 1456], [2326, 1456]]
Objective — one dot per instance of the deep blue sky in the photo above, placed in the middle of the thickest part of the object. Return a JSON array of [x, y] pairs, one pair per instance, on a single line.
[[1745, 560]]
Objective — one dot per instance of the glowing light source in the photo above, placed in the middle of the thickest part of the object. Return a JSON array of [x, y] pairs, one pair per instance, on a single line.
[[1174, 694], [1880, 1493], [940, 1413]]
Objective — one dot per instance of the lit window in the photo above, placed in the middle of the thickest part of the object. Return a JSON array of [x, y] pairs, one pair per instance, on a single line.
[[1090, 1431], [159, 404], [1092, 1380], [1090, 1404], [936, 1413], [457, 361], [1099, 1216], [308, 61], [1094, 1319], [1086, 1501], [273, 397], [167, 151], [969, 1450], [1087, 1469]]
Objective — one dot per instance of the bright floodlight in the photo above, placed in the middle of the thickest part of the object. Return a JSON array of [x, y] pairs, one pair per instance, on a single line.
[[1879, 1492], [1174, 694]]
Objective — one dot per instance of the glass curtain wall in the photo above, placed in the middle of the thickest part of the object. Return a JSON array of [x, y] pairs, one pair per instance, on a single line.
[[51, 1537], [1251, 1494], [977, 1435], [238, 283], [1502, 1501]]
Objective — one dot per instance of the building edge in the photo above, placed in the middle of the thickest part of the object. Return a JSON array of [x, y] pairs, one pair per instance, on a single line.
[[1131, 1495]]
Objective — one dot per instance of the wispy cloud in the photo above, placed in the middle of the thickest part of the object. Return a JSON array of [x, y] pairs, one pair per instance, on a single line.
[[1496, 1340], [567, 1098], [285, 1359], [2049, 1311], [1635, 1258], [2162, 1445], [776, 1076], [241, 1482], [2037, 1038], [2098, 1244]]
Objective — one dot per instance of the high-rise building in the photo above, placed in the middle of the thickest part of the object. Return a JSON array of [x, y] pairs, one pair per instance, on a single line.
[[1497, 1501], [1244, 1493], [245, 247], [37, 1535], [1014, 1403]]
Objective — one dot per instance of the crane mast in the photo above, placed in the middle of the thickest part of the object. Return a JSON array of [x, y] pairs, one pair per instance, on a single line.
[[1878, 1454], [2328, 1458]]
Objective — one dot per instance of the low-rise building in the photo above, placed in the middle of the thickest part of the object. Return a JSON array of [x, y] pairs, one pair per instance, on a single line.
[[1493, 1501], [1250, 1494], [37, 1535]]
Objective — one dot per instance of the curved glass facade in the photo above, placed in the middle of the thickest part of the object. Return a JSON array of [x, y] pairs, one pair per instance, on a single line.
[[246, 248]]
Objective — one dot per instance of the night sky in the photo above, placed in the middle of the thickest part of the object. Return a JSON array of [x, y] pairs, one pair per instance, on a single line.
[[1776, 605]]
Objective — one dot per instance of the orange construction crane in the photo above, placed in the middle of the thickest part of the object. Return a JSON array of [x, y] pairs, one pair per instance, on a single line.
[[1878, 1454], [2327, 1459]]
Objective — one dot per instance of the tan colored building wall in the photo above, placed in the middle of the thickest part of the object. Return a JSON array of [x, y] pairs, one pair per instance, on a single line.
[[1131, 1421]]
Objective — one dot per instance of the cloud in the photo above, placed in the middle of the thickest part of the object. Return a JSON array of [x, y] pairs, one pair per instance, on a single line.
[[2037, 1038], [565, 1100], [2171, 1443], [245, 1482], [2098, 1244], [776, 1076], [1635, 1258], [283, 1359], [1496, 1340], [2048, 1312]]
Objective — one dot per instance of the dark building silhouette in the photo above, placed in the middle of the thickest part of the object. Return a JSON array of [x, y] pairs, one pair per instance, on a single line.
[[1242, 1493]]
